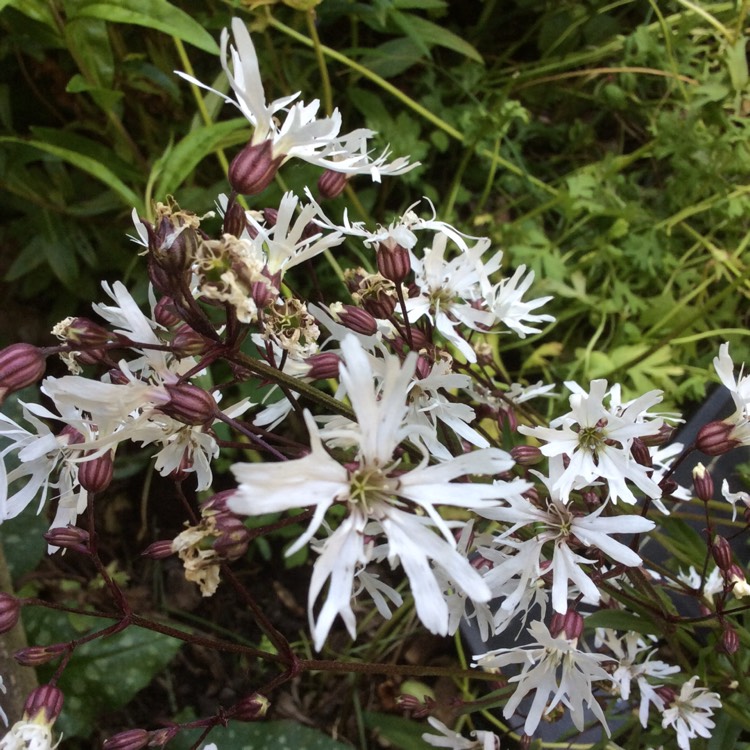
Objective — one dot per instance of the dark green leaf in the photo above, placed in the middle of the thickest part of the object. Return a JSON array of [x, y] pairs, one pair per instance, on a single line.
[[402, 733], [621, 621]]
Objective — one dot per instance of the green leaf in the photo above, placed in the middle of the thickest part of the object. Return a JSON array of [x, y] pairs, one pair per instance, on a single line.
[[192, 149], [402, 733], [621, 621], [279, 735], [426, 33], [153, 14], [85, 163]]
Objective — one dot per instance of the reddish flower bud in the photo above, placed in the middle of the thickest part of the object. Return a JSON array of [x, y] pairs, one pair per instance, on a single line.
[[250, 708], [331, 184], [641, 453], [660, 438], [69, 537], [20, 365], [189, 404], [86, 332], [183, 470], [393, 261], [667, 694], [526, 455], [46, 699], [254, 168], [95, 475], [234, 538], [10, 611], [730, 641], [235, 221], [357, 319], [506, 416], [714, 439], [217, 503], [703, 483], [165, 313], [569, 625], [187, 342], [379, 305], [34, 656], [132, 739], [160, 737], [159, 550], [323, 365], [721, 551]]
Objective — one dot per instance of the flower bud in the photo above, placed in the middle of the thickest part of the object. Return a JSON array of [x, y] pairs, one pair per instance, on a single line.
[[234, 538], [34, 656], [703, 483], [641, 453], [254, 168], [189, 404], [173, 244], [235, 221], [357, 319], [506, 416], [165, 313], [323, 365], [69, 537], [217, 503], [663, 436], [187, 342], [46, 699], [393, 261], [730, 641], [721, 551], [132, 739], [159, 550], [526, 455], [569, 625], [331, 184], [161, 737], [20, 365], [84, 331], [714, 439], [10, 611], [250, 708], [95, 475], [667, 694]]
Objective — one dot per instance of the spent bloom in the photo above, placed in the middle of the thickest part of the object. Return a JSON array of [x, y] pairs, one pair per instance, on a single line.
[[483, 740], [379, 496]]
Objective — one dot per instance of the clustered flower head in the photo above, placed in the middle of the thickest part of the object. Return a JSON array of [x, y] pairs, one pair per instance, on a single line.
[[381, 414]]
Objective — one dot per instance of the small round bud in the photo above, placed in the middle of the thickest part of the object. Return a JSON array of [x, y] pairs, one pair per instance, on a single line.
[[667, 694], [640, 452], [714, 439], [132, 739], [730, 641], [10, 611], [663, 436], [323, 365], [20, 365], [331, 184], [217, 503], [34, 656], [234, 538], [165, 313], [703, 483], [189, 404], [526, 455], [507, 417], [86, 332], [187, 342], [69, 537], [357, 320], [393, 261], [569, 625], [159, 550], [254, 168], [235, 220], [95, 475], [46, 700], [250, 708], [721, 551]]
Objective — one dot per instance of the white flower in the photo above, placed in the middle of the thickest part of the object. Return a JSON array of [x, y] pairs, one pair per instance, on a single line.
[[597, 440], [29, 735], [450, 739], [556, 671], [299, 134], [739, 388], [378, 497], [734, 497], [690, 712]]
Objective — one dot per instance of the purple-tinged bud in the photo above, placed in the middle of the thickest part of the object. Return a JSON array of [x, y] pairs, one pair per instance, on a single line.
[[526, 455], [250, 708], [265, 292], [10, 611], [183, 469], [173, 245], [507, 417], [165, 313], [270, 216], [235, 220], [20, 365], [234, 538], [569, 625], [159, 550], [69, 537], [379, 305], [730, 641], [357, 320], [703, 483], [218, 503], [663, 436], [331, 184], [668, 487], [47, 700], [721, 551], [86, 332], [254, 168], [187, 342], [117, 376], [714, 439], [423, 368], [393, 261], [95, 475], [640, 452], [667, 694], [132, 739], [323, 365], [189, 404], [35, 656], [160, 737]]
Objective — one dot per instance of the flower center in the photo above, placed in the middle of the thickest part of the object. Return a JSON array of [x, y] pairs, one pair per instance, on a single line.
[[369, 486]]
